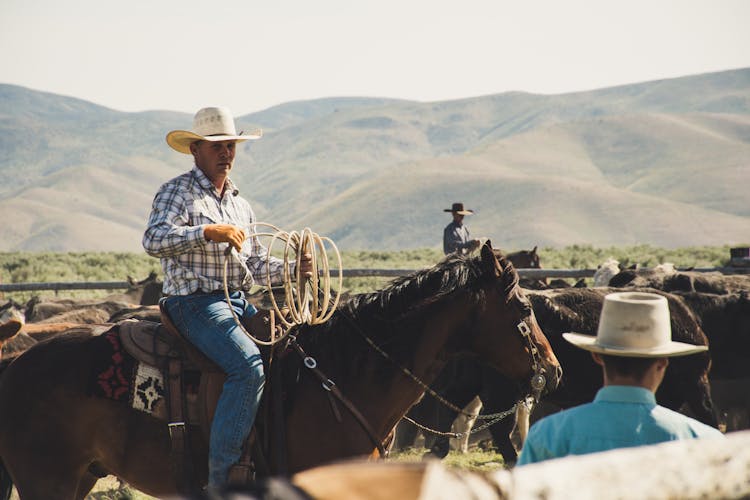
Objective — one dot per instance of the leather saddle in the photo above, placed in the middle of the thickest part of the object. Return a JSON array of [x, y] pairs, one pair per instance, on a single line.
[[161, 345]]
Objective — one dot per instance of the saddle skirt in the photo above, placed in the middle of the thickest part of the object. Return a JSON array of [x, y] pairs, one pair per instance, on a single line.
[[153, 347]]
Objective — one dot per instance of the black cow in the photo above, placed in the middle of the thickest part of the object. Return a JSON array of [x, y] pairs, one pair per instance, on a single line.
[[726, 321], [720, 302], [572, 310], [682, 281]]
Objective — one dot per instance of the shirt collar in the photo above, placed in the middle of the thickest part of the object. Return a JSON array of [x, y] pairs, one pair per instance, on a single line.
[[625, 394], [205, 183]]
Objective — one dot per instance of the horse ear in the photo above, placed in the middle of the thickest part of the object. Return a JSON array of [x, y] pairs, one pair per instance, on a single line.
[[489, 259], [533, 250], [488, 246]]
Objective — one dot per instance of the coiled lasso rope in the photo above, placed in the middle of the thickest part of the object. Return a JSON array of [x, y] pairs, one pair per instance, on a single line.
[[305, 302]]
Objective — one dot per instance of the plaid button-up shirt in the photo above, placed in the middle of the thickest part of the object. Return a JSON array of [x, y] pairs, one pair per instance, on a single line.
[[181, 209]]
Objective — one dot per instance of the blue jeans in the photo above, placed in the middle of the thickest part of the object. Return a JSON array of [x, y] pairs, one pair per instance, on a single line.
[[205, 320]]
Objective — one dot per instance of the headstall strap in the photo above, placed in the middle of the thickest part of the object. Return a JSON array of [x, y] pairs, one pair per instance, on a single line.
[[524, 328], [538, 381], [332, 389]]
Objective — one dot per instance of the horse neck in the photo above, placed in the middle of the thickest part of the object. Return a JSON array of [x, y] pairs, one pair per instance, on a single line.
[[432, 336]]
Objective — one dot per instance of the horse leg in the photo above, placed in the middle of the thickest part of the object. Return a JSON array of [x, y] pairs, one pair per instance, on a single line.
[[501, 438], [41, 460], [45, 483], [440, 446], [463, 425], [6, 484], [521, 425], [85, 485], [498, 395], [406, 434]]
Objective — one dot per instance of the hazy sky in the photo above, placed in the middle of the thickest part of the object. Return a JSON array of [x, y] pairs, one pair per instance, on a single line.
[[249, 55]]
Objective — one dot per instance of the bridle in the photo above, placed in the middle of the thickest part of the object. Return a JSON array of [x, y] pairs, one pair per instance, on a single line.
[[537, 382]]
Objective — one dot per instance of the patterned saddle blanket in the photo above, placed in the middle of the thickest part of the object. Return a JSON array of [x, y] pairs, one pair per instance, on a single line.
[[132, 362], [129, 367]]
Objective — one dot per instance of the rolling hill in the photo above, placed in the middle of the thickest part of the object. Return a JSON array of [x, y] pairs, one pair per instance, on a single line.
[[664, 162]]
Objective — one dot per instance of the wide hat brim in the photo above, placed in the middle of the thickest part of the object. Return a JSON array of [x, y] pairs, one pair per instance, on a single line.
[[665, 350], [459, 212], [180, 140]]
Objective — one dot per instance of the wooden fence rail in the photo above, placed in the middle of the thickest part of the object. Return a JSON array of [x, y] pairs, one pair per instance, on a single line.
[[348, 273]]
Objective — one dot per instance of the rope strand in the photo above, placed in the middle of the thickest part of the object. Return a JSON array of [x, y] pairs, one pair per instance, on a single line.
[[310, 301]]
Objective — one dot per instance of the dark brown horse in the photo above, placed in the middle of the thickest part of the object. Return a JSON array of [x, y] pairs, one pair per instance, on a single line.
[[55, 439], [525, 259], [528, 259]]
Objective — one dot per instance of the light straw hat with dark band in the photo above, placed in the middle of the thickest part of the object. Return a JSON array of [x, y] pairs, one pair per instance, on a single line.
[[636, 325], [209, 124]]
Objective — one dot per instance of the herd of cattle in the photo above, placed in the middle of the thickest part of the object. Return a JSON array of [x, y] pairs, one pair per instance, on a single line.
[[706, 308]]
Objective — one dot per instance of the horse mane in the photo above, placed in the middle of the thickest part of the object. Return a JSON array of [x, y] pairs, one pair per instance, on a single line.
[[382, 313], [386, 317]]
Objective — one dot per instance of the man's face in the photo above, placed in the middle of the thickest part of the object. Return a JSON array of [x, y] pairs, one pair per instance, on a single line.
[[458, 218], [215, 159]]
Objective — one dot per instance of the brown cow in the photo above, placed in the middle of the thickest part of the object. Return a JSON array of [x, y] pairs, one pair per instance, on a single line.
[[72, 310]]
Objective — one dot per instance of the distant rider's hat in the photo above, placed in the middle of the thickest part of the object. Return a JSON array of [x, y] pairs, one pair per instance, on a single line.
[[636, 325], [209, 124], [458, 208]]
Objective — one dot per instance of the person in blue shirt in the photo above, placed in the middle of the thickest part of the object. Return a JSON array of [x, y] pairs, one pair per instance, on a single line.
[[633, 345], [456, 237]]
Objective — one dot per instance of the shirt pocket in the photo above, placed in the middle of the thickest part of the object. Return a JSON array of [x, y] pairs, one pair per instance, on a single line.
[[200, 212]]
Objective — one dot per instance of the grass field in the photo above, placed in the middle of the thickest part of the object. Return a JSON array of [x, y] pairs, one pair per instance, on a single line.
[[33, 267]]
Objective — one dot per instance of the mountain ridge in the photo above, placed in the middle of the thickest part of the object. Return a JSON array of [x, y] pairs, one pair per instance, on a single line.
[[577, 168]]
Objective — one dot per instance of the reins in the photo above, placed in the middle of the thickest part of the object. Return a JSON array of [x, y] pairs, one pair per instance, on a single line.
[[537, 382], [491, 418]]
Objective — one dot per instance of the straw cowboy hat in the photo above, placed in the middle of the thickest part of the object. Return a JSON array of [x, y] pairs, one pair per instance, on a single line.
[[459, 209], [634, 324], [209, 124]]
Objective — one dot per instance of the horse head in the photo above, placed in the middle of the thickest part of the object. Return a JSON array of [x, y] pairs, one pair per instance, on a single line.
[[525, 354], [523, 259]]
